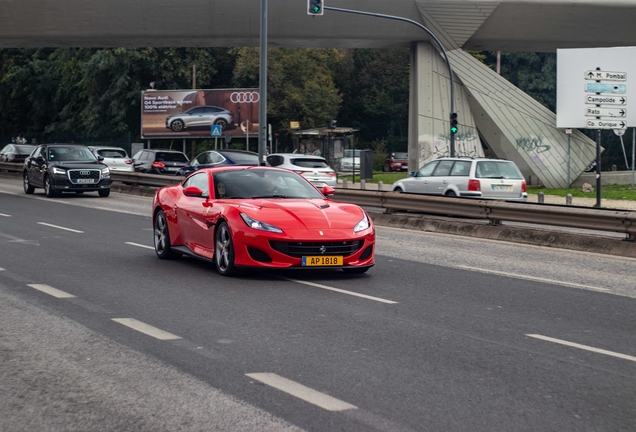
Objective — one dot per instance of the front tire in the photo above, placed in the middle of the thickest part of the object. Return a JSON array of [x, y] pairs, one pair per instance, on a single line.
[[28, 189], [48, 188], [177, 125], [224, 251], [162, 238], [398, 189], [104, 192]]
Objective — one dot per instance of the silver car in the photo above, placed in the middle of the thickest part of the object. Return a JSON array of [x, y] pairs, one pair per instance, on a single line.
[[313, 168], [116, 158], [463, 177], [200, 116]]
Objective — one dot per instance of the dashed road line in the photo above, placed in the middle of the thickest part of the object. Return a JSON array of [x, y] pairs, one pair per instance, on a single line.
[[5, 215], [60, 227], [140, 245], [146, 329], [351, 293], [533, 278], [51, 291], [583, 347], [300, 391]]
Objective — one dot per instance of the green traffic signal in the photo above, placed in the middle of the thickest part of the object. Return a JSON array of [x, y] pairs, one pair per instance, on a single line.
[[453, 123], [453, 129], [316, 9]]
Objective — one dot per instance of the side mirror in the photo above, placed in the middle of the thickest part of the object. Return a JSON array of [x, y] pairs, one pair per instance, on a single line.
[[39, 159], [328, 190], [412, 174], [192, 191], [100, 158]]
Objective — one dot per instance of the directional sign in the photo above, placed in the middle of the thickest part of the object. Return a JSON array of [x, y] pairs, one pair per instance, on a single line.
[[605, 112], [605, 88], [216, 130], [605, 75], [605, 100], [605, 124]]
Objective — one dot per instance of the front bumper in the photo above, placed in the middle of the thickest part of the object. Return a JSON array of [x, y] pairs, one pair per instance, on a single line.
[[61, 183]]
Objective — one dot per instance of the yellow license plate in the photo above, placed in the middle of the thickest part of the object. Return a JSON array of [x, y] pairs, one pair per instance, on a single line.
[[319, 261]]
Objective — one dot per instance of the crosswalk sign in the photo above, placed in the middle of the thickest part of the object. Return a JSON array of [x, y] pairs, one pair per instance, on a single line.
[[215, 130]]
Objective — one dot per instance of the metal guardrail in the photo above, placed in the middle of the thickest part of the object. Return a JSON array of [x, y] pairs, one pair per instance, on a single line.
[[610, 220]]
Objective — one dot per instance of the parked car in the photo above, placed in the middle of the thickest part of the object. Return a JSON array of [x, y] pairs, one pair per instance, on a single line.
[[396, 161], [350, 161], [115, 157], [462, 177], [65, 168], [313, 168], [260, 217], [214, 158], [199, 116], [159, 161], [15, 152]]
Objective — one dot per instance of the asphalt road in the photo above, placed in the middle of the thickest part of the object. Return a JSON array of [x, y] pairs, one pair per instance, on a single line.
[[444, 333]]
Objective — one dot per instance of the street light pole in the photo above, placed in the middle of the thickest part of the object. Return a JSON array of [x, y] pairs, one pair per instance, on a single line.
[[262, 108], [439, 44]]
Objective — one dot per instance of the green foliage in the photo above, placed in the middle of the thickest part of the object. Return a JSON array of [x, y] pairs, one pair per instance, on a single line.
[[614, 192], [379, 148]]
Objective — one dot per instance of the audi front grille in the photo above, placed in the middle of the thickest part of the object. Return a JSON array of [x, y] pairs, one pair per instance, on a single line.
[[74, 174], [300, 249]]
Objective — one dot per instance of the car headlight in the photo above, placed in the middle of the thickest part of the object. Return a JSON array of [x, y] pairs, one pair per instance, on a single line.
[[253, 223], [363, 224], [105, 172], [59, 171]]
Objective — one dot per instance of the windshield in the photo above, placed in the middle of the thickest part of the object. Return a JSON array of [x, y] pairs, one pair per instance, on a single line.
[[263, 183], [400, 155], [244, 157], [71, 154], [24, 149], [350, 152], [171, 157]]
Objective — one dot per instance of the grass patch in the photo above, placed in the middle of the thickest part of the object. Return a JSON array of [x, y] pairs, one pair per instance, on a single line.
[[386, 178], [613, 192]]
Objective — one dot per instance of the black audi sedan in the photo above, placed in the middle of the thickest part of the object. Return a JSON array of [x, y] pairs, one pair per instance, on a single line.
[[65, 168]]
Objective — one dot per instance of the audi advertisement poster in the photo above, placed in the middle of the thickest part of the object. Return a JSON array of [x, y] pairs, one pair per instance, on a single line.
[[198, 113]]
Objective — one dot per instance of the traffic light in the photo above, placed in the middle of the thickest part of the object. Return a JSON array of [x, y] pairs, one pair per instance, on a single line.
[[333, 124], [314, 7], [453, 123]]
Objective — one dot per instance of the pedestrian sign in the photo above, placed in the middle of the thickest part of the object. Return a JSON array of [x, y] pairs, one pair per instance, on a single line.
[[216, 130]]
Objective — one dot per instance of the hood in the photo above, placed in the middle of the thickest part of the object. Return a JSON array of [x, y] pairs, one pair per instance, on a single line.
[[301, 215], [78, 165]]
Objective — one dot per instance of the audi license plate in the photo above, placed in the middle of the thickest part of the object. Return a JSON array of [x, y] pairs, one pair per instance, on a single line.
[[320, 261], [84, 180], [502, 188]]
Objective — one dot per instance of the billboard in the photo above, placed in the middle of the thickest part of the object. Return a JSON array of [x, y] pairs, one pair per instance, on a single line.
[[199, 113]]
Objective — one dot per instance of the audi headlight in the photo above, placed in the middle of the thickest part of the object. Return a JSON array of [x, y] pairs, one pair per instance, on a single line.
[[59, 171], [253, 223], [105, 172], [363, 224]]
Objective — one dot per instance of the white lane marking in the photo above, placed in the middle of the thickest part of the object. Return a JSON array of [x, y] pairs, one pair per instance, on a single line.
[[300, 391], [146, 329], [1, 269], [5, 215], [140, 245], [533, 278], [340, 290], [584, 347], [59, 227], [51, 291]]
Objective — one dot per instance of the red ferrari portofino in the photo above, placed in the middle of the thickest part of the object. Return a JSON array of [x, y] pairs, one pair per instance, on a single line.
[[260, 217]]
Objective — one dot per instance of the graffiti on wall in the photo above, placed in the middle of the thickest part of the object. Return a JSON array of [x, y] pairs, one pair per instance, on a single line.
[[532, 144], [466, 145]]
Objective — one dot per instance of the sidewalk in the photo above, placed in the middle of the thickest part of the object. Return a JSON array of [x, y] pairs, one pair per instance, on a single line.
[[533, 198]]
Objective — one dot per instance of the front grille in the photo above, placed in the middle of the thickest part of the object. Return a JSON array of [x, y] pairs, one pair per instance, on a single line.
[[75, 174], [300, 249]]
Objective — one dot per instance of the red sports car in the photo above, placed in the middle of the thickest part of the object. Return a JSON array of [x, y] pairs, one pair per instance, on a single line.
[[261, 217]]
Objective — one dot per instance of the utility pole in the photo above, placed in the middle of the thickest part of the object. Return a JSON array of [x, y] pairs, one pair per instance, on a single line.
[[262, 109]]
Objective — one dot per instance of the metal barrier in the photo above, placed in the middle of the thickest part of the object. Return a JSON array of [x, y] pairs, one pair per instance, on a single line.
[[621, 221], [610, 220]]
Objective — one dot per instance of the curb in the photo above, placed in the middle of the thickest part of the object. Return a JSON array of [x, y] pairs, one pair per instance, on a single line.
[[532, 236]]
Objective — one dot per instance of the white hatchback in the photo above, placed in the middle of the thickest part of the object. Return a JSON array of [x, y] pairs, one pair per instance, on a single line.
[[116, 158], [313, 168], [471, 178]]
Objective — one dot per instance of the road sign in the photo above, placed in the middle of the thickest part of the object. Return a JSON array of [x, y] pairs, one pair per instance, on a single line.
[[605, 112], [215, 130], [294, 125], [605, 88], [605, 124], [605, 75], [247, 126], [605, 100]]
